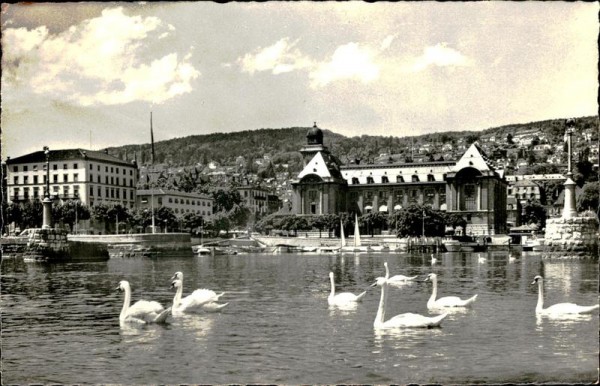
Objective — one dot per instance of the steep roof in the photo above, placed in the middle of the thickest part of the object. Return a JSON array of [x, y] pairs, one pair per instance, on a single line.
[[67, 155], [475, 157], [324, 165]]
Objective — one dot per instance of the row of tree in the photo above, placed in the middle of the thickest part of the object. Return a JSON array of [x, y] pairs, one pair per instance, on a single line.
[[414, 220]]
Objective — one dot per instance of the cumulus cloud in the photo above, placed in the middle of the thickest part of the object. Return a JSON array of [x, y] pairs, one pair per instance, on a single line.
[[279, 58], [439, 55], [100, 61], [350, 61]]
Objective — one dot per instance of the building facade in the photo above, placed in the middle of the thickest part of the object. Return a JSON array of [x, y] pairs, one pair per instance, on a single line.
[[91, 177], [260, 201], [470, 187], [180, 202]]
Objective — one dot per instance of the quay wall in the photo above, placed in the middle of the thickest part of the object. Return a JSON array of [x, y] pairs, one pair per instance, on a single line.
[[272, 241], [577, 234]]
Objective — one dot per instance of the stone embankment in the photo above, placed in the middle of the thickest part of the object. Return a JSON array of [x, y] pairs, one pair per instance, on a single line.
[[577, 234]]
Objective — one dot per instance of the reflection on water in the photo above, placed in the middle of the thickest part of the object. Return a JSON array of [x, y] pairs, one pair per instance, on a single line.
[[60, 321]]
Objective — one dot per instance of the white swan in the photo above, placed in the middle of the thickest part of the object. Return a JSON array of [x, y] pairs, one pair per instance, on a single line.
[[481, 259], [199, 300], [407, 320], [511, 258], [560, 308], [396, 280], [433, 259], [343, 298], [447, 301], [142, 311]]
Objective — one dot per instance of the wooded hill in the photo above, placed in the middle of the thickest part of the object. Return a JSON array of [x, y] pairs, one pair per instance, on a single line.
[[282, 145]]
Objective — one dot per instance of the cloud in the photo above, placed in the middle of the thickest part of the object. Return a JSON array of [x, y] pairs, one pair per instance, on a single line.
[[441, 56], [350, 61], [101, 61], [279, 58]]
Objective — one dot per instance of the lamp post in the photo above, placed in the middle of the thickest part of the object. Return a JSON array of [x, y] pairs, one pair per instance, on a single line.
[[47, 202], [569, 210]]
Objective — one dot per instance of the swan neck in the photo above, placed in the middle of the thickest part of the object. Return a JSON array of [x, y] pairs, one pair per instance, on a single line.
[[380, 317], [178, 293], [126, 302], [332, 294], [540, 302], [434, 290]]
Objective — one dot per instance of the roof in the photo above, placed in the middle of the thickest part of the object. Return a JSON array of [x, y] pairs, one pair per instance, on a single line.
[[164, 192], [67, 155], [323, 165], [475, 157]]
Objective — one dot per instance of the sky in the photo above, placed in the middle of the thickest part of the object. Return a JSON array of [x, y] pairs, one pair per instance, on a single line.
[[90, 74]]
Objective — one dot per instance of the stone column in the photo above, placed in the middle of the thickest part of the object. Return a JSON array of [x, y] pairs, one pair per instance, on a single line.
[[569, 209]]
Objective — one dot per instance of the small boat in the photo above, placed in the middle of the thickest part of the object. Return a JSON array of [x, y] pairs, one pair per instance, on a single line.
[[200, 250], [357, 247], [329, 249]]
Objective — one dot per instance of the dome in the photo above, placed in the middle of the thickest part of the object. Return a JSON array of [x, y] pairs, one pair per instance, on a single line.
[[314, 136]]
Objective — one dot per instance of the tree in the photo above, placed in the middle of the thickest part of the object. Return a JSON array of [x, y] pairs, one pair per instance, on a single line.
[[509, 139], [12, 213], [589, 198], [409, 221], [31, 214], [225, 199], [533, 212], [166, 217], [69, 212]]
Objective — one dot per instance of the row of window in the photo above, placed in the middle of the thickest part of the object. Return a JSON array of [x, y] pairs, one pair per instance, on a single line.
[[111, 192], [65, 179], [65, 166], [399, 179], [188, 202]]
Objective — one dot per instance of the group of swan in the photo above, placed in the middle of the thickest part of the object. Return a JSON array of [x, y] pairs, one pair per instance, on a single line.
[[144, 311]]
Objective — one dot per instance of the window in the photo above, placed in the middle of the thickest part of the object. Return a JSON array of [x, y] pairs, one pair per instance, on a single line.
[[106, 169], [76, 191], [55, 167], [55, 178], [170, 200], [160, 201], [65, 178], [177, 201], [26, 193], [112, 193], [25, 168], [16, 180], [384, 180], [415, 178], [106, 191], [430, 177], [112, 180], [117, 181], [36, 192], [25, 180], [91, 191], [99, 178], [118, 193], [91, 166], [131, 195], [98, 167], [370, 180], [75, 177], [35, 179], [35, 168], [117, 170], [124, 172], [99, 190], [15, 168], [469, 197], [65, 166], [75, 166]]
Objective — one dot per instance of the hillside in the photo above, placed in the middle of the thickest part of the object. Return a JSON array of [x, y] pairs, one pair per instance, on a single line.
[[282, 144]]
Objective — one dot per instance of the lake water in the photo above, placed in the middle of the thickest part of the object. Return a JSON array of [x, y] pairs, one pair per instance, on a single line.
[[60, 322]]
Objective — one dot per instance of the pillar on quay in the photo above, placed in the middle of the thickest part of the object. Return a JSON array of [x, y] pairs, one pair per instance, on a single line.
[[569, 208]]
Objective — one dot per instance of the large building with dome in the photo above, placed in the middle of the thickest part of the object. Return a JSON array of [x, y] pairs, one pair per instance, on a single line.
[[470, 187]]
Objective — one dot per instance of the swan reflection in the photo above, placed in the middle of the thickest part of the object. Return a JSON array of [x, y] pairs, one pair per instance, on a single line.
[[405, 337], [197, 325], [140, 333], [563, 319]]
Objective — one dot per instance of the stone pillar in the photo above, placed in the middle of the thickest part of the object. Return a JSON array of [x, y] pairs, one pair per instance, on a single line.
[[569, 209], [47, 213]]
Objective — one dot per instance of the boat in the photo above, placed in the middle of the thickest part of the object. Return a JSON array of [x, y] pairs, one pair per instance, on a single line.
[[533, 245], [201, 250], [357, 247], [464, 244], [329, 249]]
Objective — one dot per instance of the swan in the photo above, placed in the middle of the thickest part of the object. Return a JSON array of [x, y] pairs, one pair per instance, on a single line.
[[433, 259], [343, 298], [142, 311], [511, 258], [481, 259], [407, 320], [396, 280], [447, 301], [197, 301], [560, 308]]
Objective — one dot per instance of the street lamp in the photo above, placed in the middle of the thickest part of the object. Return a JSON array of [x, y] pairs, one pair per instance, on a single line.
[[47, 202], [569, 209]]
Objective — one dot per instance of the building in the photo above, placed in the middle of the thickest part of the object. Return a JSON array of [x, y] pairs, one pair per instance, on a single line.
[[260, 201], [91, 177], [470, 187], [180, 202]]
